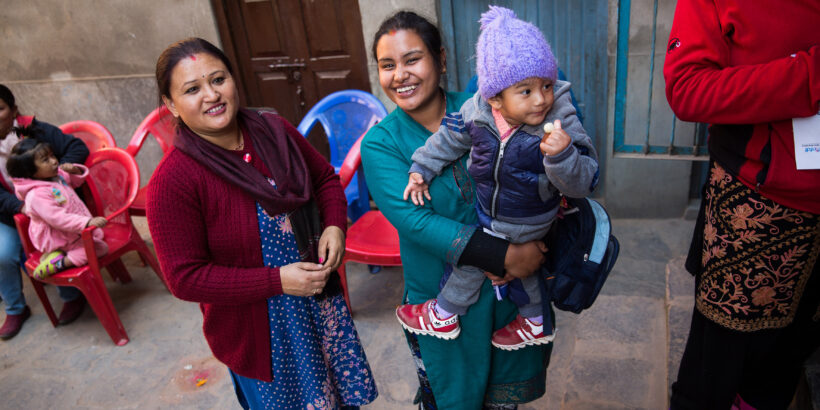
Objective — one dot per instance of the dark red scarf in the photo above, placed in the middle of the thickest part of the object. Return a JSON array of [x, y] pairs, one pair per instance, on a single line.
[[276, 149], [284, 160]]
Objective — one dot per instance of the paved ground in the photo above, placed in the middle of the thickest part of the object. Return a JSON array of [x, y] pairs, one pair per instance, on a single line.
[[620, 354]]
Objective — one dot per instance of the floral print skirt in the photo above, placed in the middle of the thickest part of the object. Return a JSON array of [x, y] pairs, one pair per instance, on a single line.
[[316, 357], [756, 256]]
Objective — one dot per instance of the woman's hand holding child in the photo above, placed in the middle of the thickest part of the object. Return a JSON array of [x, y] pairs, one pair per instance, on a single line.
[[523, 259], [71, 168], [417, 189], [555, 139]]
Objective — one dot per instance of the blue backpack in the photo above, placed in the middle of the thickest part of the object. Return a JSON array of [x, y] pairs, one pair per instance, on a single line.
[[582, 252]]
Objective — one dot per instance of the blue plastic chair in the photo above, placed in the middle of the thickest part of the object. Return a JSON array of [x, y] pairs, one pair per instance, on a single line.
[[345, 116]]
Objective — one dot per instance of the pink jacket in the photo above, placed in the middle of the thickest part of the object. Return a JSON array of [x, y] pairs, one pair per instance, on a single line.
[[58, 215]]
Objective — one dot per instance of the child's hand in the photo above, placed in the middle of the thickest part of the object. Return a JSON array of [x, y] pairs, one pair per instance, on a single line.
[[416, 189], [97, 221], [556, 141], [71, 168]]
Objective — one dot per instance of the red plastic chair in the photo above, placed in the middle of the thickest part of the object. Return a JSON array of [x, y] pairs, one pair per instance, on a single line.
[[94, 135], [371, 239], [161, 124], [112, 185]]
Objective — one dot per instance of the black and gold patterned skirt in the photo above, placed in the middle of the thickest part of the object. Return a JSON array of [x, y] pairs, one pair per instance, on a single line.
[[756, 256]]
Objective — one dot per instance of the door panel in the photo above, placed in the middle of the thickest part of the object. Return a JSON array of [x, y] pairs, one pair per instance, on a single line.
[[267, 39], [290, 53], [330, 81]]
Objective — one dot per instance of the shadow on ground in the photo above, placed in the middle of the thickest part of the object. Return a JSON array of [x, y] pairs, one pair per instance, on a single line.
[[616, 355]]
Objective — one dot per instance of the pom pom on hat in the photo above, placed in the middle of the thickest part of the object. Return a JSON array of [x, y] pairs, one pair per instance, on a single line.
[[494, 14], [510, 50]]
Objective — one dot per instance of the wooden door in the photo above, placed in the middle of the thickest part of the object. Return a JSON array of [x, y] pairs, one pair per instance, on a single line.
[[291, 53]]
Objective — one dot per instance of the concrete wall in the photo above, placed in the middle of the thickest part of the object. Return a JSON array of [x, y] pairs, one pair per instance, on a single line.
[[64, 62], [632, 187], [641, 187], [94, 59], [373, 13]]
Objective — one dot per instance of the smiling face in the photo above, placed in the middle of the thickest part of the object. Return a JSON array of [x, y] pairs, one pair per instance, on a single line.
[[525, 102], [407, 71], [204, 96], [7, 115], [46, 164]]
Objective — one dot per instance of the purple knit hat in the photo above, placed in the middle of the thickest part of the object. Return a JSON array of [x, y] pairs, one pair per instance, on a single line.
[[510, 50]]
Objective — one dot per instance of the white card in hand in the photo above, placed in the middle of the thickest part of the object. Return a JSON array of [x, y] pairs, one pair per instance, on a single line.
[[807, 141]]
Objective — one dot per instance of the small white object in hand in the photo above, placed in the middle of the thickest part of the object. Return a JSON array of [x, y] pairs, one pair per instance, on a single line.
[[548, 128]]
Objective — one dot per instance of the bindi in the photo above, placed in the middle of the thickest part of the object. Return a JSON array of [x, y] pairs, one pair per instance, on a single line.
[[392, 32], [193, 57]]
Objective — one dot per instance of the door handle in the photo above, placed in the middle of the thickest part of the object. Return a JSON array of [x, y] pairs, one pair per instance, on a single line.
[[301, 96], [286, 65]]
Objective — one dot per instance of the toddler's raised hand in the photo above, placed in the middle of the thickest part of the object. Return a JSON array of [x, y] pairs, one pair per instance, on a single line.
[[71, 168], [417, 189], [555, 140], [97, 221]]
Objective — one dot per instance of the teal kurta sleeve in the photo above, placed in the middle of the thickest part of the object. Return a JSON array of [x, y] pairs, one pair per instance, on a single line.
[[386, 162]]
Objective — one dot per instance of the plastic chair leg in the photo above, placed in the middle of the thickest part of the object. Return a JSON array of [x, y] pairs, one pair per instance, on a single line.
[[143, 262], [97, 296], [343, 279], [118, 271], [41, 294], [148, 256]]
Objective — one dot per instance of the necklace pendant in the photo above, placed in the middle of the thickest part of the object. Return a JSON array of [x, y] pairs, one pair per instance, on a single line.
[[247, 157]]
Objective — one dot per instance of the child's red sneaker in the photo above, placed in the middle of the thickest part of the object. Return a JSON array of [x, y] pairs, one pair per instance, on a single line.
[[520, 333], [421, 319]]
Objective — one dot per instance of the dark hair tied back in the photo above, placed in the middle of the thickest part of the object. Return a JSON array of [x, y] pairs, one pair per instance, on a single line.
[[407, 20], [7, 96], [176, 52]]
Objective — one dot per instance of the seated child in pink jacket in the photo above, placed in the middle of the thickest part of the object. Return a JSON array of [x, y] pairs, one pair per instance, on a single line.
[[58, 215]]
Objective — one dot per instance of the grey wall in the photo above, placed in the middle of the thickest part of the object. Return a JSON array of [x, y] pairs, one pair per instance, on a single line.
[[94, 59], [632, 187], [642, 187]]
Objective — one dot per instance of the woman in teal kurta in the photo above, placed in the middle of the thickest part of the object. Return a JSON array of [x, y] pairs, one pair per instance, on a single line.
[[465, 373]]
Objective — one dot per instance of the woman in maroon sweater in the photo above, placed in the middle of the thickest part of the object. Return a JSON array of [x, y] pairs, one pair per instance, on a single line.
[[751, 70], [248, 220]]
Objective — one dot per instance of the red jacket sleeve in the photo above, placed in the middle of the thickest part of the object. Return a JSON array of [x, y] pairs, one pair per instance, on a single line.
[[702, 86], [330, 197]]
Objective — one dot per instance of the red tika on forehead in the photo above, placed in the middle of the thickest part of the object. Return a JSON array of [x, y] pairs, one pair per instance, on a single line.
[[392, 32], [193, 57]]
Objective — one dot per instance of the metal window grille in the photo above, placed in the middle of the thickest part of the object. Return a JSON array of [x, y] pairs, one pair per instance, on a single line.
[[645, 126]]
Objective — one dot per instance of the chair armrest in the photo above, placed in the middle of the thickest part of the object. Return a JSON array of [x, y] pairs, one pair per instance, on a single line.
[[352, 162]]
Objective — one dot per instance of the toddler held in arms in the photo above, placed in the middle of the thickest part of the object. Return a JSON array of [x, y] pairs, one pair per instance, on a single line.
[[527, 149]]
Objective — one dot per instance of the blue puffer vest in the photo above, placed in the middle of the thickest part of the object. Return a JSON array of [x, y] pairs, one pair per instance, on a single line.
[[517, 166]]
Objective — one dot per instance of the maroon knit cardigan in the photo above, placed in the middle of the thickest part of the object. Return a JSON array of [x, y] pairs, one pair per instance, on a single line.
[[206, 236]]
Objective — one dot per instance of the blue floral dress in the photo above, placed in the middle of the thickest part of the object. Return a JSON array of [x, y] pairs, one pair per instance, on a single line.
[[316, 357]]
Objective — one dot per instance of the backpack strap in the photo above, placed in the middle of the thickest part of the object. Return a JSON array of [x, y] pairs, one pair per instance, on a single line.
[[602, 231]]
